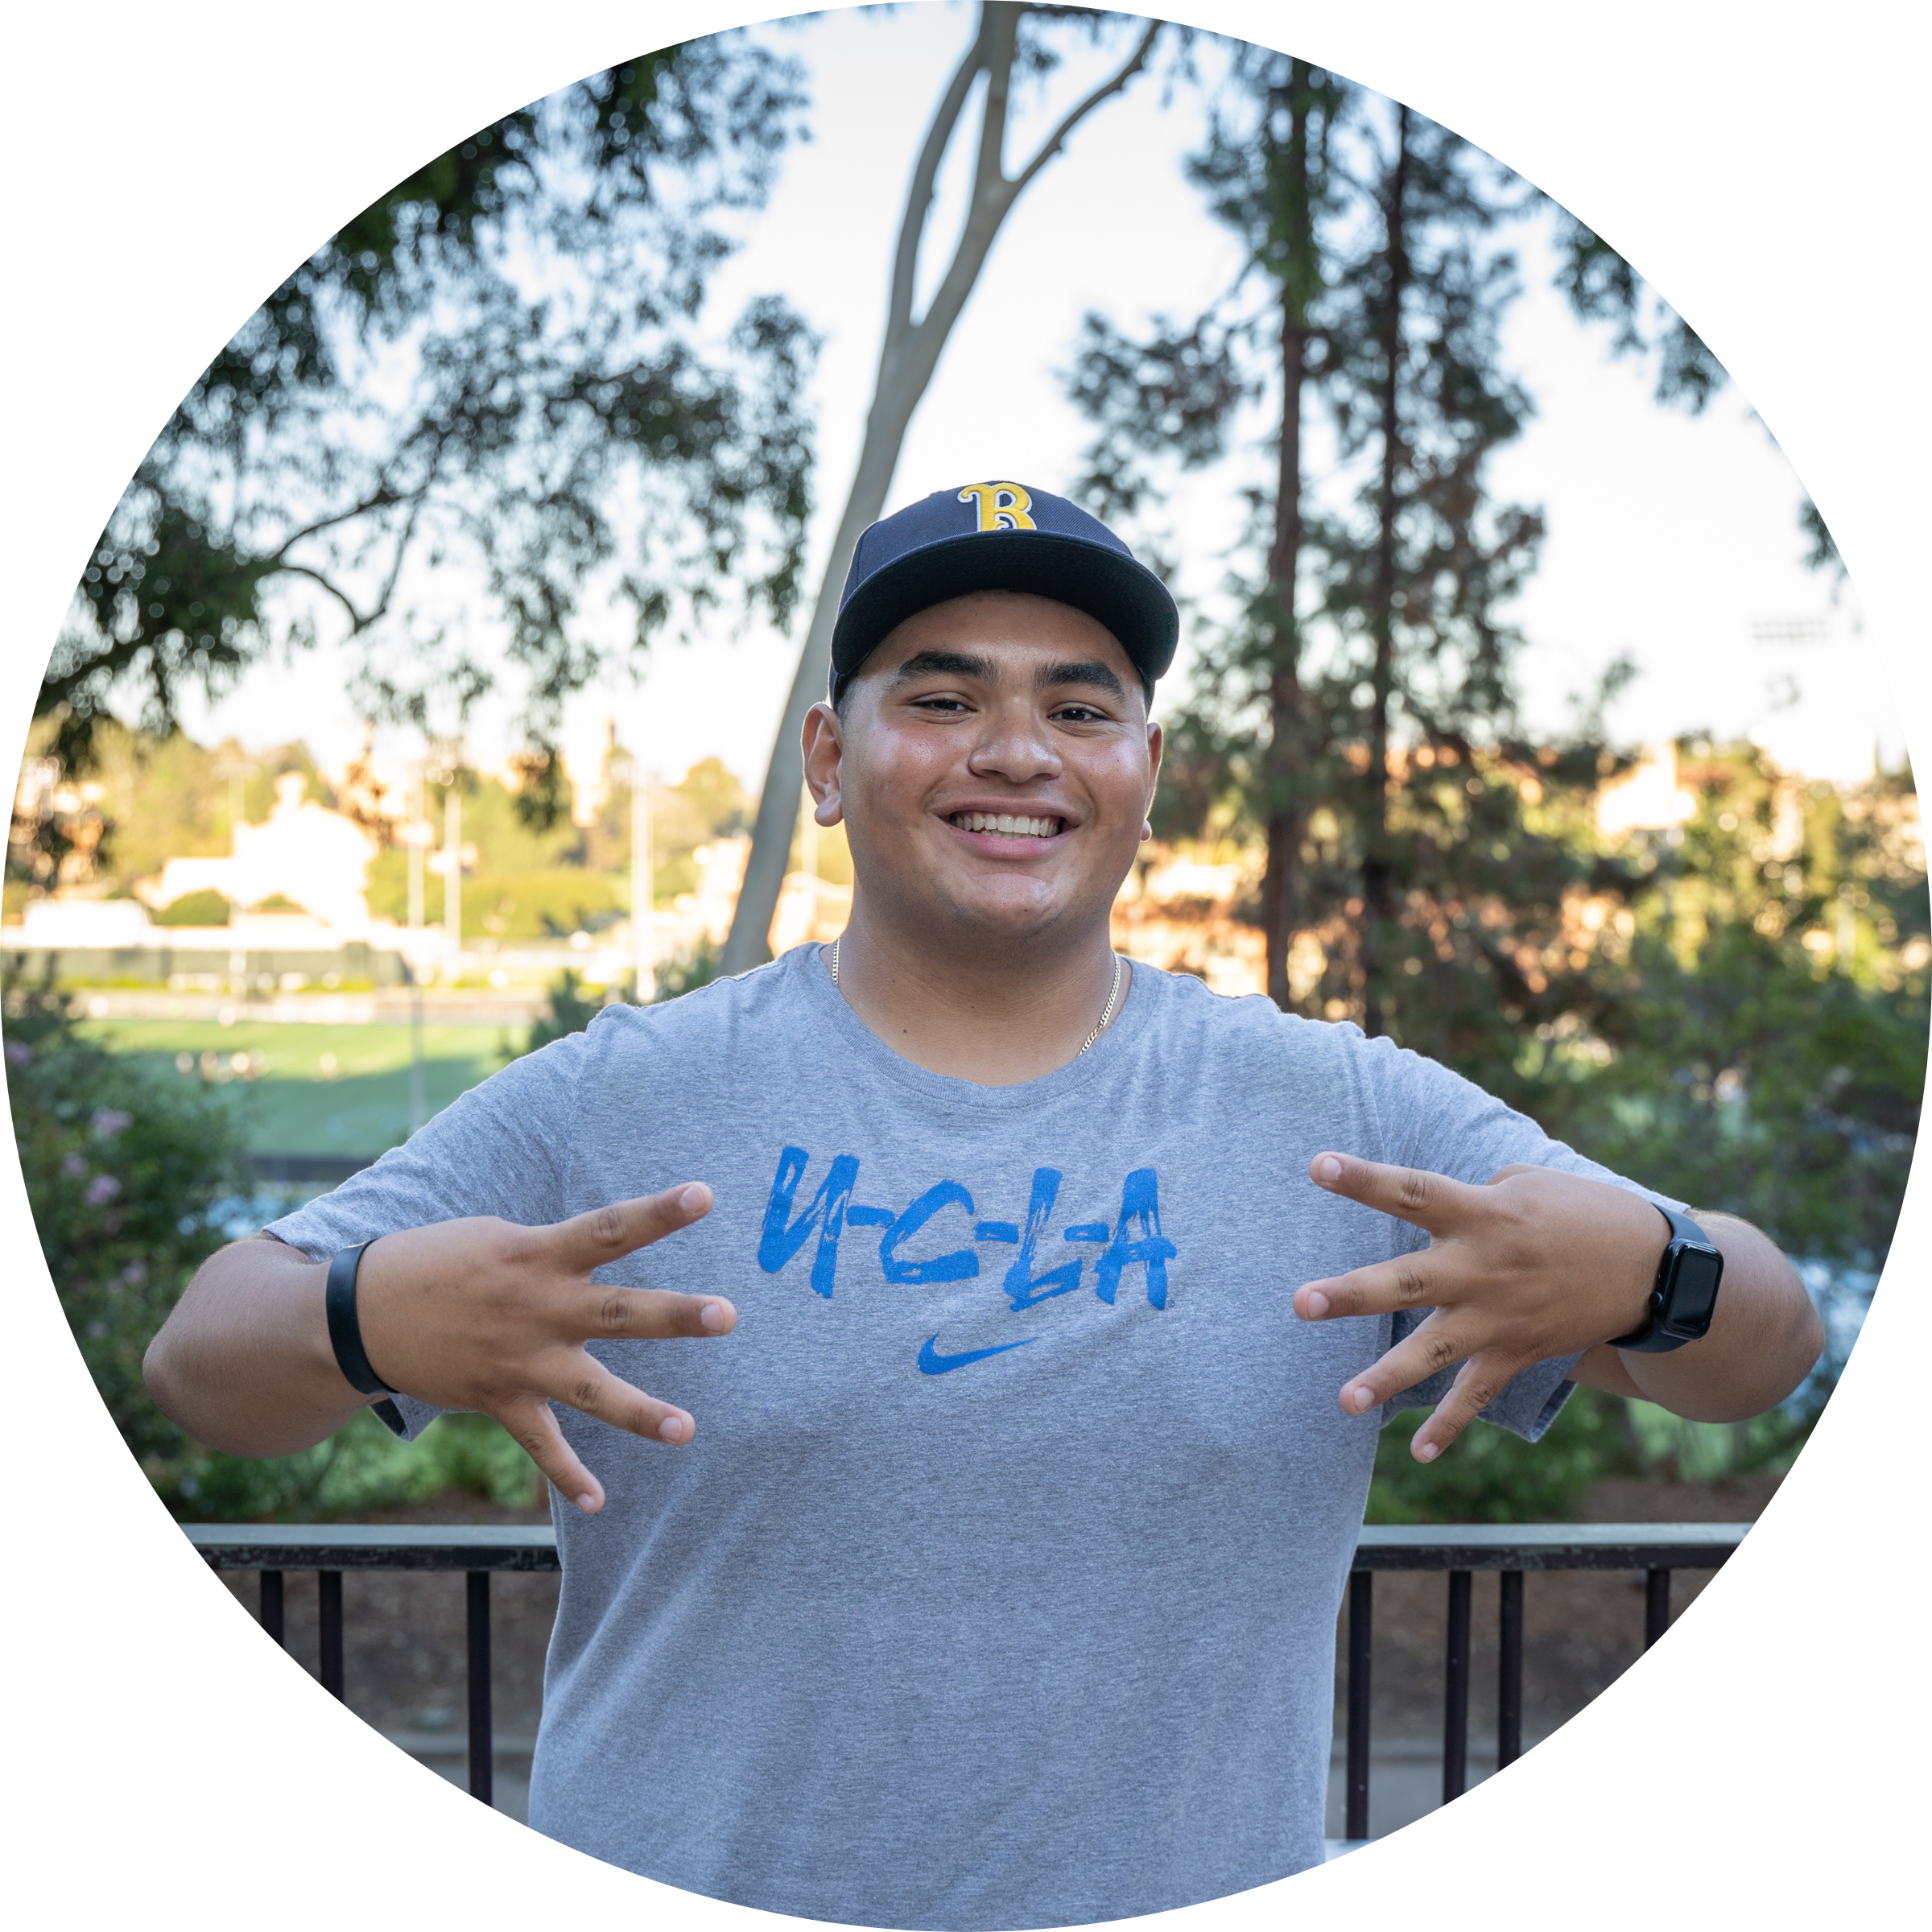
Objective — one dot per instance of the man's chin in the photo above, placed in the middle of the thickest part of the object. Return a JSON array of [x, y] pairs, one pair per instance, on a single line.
[[1006, 917]]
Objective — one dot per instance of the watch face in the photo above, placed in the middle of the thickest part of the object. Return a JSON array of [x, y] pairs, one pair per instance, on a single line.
[[1691, 1293]]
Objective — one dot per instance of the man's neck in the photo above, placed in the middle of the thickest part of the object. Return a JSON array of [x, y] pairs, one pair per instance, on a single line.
[[994, 1015]]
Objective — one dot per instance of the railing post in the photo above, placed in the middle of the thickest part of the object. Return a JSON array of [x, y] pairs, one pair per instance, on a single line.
[[1509, 1672], [329, 1591], [273, 1620], [1657, 1605], [1455, 1703], [482, 1742], [1361, 1602]]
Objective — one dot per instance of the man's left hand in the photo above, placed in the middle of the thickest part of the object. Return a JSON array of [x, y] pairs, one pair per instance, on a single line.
[[1536, 1263]]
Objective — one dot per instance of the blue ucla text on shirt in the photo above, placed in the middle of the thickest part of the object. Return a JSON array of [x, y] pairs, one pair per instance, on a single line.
[[1134, 1240]]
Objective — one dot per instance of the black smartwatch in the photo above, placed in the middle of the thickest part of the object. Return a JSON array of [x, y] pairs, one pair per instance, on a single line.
[[1686, 1296]]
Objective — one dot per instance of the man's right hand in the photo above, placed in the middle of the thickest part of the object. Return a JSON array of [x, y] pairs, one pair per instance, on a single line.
[[477, 1314], [483, 1314]]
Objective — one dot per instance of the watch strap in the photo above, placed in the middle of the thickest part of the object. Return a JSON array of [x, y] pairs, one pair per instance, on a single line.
[[1649, 1338]]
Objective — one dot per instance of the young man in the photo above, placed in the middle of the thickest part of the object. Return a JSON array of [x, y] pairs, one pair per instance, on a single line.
[[1041, 1312]]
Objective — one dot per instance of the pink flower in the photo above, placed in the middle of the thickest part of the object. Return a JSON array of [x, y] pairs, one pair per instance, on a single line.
[[74, 1167], [108, 1122], [101, 1190]]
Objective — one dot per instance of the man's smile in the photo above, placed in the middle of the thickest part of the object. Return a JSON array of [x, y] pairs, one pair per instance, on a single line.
[[1008, 824]]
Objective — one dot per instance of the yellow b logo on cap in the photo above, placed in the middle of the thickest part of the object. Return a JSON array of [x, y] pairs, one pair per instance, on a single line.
[[1002, 506]]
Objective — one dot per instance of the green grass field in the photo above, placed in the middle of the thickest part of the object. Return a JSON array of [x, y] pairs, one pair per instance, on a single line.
[[303, 1101]]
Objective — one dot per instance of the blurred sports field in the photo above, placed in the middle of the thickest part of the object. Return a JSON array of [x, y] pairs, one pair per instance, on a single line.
[[304, 1088]]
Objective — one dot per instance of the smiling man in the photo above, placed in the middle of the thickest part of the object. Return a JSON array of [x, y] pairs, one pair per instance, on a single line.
[[1040, 1310]]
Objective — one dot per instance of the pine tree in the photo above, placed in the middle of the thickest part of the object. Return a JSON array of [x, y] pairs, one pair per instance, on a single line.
[[1359, 714], [1266, 172]]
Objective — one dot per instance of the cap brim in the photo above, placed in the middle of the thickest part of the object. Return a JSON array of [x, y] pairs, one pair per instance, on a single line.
[[1125, 596]]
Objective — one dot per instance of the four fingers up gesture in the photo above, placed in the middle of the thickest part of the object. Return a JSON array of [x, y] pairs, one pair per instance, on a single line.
[[482, 1315], [1536, 1263]]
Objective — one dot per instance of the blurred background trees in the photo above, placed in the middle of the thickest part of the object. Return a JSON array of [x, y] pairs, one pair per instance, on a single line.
[[498, 362]]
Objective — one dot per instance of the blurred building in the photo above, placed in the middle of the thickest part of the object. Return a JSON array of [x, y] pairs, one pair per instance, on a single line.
[[311, 860]]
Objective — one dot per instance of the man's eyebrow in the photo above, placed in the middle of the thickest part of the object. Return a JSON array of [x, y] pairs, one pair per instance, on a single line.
[[951, 664], [1050, 677]]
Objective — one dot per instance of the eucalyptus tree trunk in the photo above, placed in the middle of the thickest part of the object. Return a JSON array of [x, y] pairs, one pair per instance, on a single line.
[[907, 359]]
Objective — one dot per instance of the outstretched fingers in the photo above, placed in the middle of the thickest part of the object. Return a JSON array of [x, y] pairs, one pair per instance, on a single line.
[[533, 1427], [1421, 1280], [606, 1234], [1432, 1201], [1434, 1347], [1479, 1382], [652, 1315], [581, 1382]]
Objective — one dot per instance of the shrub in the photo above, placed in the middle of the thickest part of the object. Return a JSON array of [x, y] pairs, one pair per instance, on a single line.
[[126, 1175], [207, 908]]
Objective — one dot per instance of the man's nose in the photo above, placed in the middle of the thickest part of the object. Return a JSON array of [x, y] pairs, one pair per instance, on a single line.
[[1014, 744]]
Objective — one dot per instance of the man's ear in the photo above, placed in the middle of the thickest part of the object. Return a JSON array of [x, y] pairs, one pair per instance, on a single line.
[[824, 744], [1155, 741]]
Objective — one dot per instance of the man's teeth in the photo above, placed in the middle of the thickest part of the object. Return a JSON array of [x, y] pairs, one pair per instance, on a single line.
[[1006, 822]]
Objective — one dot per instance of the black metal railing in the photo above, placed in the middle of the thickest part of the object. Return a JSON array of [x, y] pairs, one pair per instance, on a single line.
[[1457, 1550], [1510, 1549], [478, 1550]]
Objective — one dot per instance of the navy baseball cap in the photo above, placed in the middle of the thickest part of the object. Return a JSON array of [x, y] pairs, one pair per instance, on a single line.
[[999, 536]]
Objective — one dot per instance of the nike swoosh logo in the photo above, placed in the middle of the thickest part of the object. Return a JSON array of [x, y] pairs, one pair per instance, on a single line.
[[931, 1362]]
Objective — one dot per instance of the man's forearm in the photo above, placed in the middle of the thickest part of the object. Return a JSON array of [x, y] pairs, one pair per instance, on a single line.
[[244, 1363], [1764, 1336]]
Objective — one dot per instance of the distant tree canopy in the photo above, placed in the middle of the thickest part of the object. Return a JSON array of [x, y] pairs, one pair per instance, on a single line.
[[498, 362]]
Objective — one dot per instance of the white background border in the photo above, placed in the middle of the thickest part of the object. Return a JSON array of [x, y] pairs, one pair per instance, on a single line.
[[1761, 166]]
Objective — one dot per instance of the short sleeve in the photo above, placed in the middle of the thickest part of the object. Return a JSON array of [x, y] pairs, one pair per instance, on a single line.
[[502, 1149], [1435, 1119]]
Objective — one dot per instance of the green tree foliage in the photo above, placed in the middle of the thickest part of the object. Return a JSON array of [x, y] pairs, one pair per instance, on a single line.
[[572, 1007], [496, 360], [1761, 1045], [1267, 172]]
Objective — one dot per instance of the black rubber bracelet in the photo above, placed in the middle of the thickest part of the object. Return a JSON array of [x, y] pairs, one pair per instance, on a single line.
[[345, 1330]]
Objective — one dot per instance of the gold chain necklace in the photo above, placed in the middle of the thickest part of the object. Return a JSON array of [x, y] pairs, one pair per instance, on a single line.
[[1106, 1015]]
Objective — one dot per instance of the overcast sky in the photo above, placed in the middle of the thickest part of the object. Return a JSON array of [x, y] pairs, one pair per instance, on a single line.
[[1671, 537]]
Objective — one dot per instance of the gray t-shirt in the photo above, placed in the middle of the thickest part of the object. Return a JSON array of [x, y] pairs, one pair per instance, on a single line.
[[998, 1587]]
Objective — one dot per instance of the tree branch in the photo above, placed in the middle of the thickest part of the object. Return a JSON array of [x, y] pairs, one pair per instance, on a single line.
[[1055, 140], [989, 181], [383, 497], [356, 620], [919, 196]]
